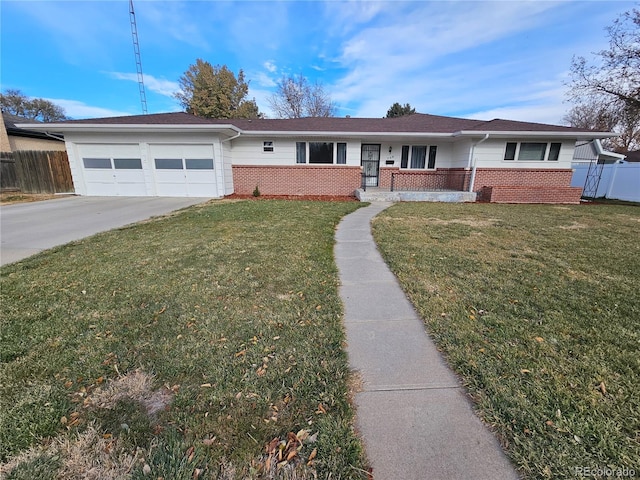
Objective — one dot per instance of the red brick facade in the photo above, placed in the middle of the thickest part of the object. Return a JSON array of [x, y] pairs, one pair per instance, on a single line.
[[296, 179], [515, 194], [500, 185]]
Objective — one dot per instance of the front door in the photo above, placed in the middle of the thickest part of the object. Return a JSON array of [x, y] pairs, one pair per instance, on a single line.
[[370, 164]]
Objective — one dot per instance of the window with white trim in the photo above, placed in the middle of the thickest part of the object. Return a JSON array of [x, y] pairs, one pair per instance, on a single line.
[[419, 157], [267, 146], [321, 152], [301, 152], [532, 151], [342, 153]]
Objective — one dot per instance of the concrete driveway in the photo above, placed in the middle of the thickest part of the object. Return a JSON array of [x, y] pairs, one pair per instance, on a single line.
[[29, 228]]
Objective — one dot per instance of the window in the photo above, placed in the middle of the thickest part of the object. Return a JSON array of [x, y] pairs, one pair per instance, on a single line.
[[510, 152], [320, 152], [419, 157], [554, 152], [97, 163], [267, 146], [432, 156], [532, 151], [168, 163], [199, 163], [404, 162], [127, 164], [342, 154], [301, 152]]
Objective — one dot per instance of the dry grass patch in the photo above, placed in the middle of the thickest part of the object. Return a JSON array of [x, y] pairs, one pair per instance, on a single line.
[[180, 337], [540, 315]]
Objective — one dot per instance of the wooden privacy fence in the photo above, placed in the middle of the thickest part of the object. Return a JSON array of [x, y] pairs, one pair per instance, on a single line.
[[8, 177], [38, 172]]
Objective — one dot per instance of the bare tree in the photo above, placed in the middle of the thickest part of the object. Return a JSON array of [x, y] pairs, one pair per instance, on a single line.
[[296, 98], [15, 102], [613, 116], [606, 93]]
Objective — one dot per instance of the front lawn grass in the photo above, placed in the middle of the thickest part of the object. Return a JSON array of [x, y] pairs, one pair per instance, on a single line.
[[538, 309], [180, 348]]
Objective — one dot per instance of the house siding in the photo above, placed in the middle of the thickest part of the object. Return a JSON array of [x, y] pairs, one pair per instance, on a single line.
[[490, 154]]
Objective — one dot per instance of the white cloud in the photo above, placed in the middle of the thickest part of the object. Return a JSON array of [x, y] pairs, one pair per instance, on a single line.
[[270, 66], [157, 85], [76, 109], [420, 53], [264, 80]]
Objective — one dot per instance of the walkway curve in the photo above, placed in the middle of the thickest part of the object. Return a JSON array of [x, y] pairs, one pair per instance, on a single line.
[[415, 418]]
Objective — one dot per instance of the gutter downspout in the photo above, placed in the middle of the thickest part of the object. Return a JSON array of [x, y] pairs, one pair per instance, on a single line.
[[472, 161], [222, 155]]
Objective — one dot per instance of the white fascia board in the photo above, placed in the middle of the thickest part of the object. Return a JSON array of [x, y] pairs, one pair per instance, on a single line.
[[606, 153], [313, 133], [132, 128], [537, 134]]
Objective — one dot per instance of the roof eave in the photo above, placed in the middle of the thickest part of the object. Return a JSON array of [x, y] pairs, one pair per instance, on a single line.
[[131, 127], [327, 133], [580, 135]]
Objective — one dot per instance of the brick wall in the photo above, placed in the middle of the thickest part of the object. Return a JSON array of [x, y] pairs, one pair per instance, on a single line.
[[525, 194], [488, 177], [296, 179], [501, 185], [440, 179]]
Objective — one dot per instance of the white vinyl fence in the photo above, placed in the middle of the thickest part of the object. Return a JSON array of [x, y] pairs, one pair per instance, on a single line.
[[619, 181]]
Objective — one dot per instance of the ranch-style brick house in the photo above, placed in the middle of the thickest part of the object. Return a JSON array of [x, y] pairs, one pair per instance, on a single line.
[[178, 154]]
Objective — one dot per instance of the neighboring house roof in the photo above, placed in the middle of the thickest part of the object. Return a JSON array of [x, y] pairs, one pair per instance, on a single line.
[[11, 121], [417, 123], [633, 156]]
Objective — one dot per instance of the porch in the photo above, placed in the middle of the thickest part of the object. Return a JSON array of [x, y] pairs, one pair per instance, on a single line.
[[394, 185]]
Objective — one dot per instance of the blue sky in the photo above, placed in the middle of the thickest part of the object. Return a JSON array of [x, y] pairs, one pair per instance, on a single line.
[[505, 59]]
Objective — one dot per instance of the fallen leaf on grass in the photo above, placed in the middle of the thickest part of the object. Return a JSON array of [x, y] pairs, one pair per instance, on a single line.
[[313, 454], [602, 388], [321, 409]]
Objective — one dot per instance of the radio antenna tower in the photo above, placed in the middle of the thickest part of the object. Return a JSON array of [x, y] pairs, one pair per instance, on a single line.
[[136, 51]]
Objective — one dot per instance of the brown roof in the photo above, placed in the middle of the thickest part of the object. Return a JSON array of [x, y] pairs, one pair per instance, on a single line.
[[175, 118], [414, 123]]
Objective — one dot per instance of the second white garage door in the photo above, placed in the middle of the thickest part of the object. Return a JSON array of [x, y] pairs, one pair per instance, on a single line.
[[184, 170]]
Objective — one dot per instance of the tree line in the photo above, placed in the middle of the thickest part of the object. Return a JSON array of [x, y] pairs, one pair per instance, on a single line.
[[605, 92]]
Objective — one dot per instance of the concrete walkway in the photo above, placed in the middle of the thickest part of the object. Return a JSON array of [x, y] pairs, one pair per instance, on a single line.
[[413, 414]]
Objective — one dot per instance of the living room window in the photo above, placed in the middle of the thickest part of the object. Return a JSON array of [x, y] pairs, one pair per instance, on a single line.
[[320, 152], [418, 157], [532, 151]]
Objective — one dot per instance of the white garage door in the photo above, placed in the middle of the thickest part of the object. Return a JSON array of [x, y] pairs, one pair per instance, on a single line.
[[110, 170], [184, 170]]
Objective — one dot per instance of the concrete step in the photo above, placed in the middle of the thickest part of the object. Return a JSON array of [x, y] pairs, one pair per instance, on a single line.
[[377, 195]]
